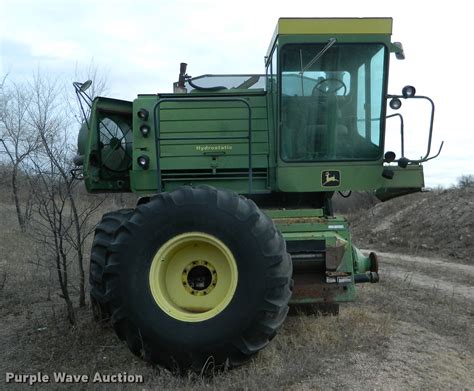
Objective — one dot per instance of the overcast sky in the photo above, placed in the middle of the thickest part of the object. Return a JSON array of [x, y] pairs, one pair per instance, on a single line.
[[139, 44]]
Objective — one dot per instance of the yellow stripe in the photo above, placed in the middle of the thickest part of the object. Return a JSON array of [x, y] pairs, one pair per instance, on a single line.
[[334, 26]]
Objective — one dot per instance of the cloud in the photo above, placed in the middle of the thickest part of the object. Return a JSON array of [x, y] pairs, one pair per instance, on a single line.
[[18, 58]]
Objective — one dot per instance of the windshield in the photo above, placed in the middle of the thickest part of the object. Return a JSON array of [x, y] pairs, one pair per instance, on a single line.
[[331, 104]]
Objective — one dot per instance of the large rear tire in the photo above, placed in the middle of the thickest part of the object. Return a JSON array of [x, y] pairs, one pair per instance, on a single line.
[[198, 276], [103, 237]]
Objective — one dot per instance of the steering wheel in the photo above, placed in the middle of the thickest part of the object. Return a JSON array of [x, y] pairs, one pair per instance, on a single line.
[[329, 86]]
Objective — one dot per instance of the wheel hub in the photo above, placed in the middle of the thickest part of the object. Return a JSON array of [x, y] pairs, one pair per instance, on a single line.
[[199, 278], [193, 276]]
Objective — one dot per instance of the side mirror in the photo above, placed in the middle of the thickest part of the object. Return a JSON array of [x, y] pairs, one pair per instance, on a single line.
[[85, 86]]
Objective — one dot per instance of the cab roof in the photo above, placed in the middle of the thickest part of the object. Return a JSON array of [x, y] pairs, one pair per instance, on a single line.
[[331, 26]]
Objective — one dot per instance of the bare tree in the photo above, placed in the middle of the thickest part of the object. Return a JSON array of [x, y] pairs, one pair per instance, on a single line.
[[19, 141], [57, 221], [35, 125], [50, 120], [466, 181], [2, 96], [52, 225]]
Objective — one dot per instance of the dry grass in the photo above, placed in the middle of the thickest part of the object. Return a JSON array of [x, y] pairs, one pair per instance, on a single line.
[[302, 349], [364, 347], [36, 337]]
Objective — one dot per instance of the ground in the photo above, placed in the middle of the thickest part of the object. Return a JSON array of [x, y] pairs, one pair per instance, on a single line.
[[437, 223], [412, 330]]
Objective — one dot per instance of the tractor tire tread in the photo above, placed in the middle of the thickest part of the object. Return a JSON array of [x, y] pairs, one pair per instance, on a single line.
[[278, 276], [103, 237]]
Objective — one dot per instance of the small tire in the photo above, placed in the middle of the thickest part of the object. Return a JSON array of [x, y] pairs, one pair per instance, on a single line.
[[103, 237], [181, 337]]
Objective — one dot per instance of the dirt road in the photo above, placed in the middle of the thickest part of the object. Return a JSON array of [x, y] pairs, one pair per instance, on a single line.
[[447, 277], [432, 341]]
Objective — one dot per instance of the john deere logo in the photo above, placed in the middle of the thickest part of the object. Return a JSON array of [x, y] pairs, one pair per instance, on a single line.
[[330, 178]]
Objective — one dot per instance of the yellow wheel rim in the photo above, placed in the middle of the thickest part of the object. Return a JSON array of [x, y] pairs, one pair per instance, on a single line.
[[193, 276]]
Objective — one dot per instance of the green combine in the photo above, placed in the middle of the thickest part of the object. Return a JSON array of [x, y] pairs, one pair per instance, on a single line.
[[236, 174]]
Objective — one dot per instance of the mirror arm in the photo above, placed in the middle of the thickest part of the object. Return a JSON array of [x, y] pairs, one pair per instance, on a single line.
[[82, 96]]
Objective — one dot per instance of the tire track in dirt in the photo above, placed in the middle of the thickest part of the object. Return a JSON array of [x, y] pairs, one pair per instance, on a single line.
[[434, 262], [401, 266]]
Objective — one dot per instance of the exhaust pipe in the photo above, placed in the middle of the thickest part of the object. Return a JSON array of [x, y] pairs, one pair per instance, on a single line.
[[181, 78]]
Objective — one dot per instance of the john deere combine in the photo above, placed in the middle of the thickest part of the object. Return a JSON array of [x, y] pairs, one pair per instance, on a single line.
[[237, 173]]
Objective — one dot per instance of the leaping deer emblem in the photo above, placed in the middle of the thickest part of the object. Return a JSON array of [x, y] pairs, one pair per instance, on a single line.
[[329, 178]]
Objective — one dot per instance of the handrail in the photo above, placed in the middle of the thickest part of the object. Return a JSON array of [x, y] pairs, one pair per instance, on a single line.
[[402, 135], [430, 136], [158, 138]]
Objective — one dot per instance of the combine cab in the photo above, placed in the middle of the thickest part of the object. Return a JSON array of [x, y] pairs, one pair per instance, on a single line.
[[237, 173]]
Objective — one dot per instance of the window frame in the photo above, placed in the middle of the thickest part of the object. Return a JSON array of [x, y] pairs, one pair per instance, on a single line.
[[383, 101]]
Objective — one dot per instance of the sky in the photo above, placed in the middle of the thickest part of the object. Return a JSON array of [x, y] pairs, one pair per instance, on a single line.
[[139, 44]]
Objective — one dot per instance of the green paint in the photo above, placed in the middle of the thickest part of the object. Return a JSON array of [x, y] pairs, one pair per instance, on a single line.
[[297, 145]]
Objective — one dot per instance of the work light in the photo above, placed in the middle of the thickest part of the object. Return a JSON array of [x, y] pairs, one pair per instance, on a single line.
[[143, 161], [395, 103], [143, 114], [408, 91]]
